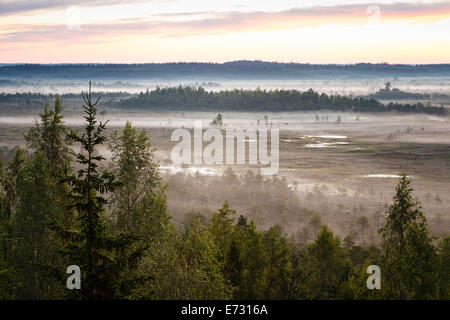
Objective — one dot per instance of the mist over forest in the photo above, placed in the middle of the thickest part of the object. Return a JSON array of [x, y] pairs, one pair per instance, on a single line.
[[363, 179]]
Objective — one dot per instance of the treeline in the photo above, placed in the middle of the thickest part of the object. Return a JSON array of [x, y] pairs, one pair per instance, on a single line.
[[396, 93], [234, 69], [63, 83], [60, 208], [197, 98], [28, 100], [21, 96]]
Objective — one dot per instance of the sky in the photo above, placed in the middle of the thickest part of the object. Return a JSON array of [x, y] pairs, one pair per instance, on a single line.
[[306, 31]]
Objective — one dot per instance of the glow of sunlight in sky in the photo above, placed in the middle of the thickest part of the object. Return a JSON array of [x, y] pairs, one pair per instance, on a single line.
[[323, 31]]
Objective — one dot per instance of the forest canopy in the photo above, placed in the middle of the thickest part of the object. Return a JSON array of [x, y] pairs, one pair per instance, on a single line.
[[197, 98], [189, 98]]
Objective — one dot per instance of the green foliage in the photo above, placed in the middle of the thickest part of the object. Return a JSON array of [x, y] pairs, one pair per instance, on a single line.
[[279, 268], [10, 180], [254, 272], [326, 266], [49, 136], [197, 98], [403, 211], [185, 266], [222, 229], [32, 196], [355, 288], [419, 262], [443, 276], [410, 257], [139, 203], [101, 256], [257, 263], [9, 280], [203, 269], [40, 201]]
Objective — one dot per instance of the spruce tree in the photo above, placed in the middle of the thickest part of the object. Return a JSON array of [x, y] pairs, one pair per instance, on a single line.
[[410, 259], [102, 257]]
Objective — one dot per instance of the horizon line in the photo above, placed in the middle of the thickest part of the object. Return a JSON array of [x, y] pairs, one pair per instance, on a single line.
[[220, 63]]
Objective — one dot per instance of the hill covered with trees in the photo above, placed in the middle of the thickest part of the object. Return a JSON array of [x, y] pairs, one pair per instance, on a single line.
[[234, 69]]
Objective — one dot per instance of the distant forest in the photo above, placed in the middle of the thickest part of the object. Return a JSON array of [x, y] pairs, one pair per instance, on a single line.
[[28, 100], [189, 98], [394, 93], [42, 97], [234, 69]]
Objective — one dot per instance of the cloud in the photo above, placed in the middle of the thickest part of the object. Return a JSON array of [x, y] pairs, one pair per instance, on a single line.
[[213, 23], [17, 6]]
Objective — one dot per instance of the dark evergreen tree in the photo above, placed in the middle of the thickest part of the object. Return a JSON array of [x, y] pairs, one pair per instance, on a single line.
[[409, 268], [102, 257]]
